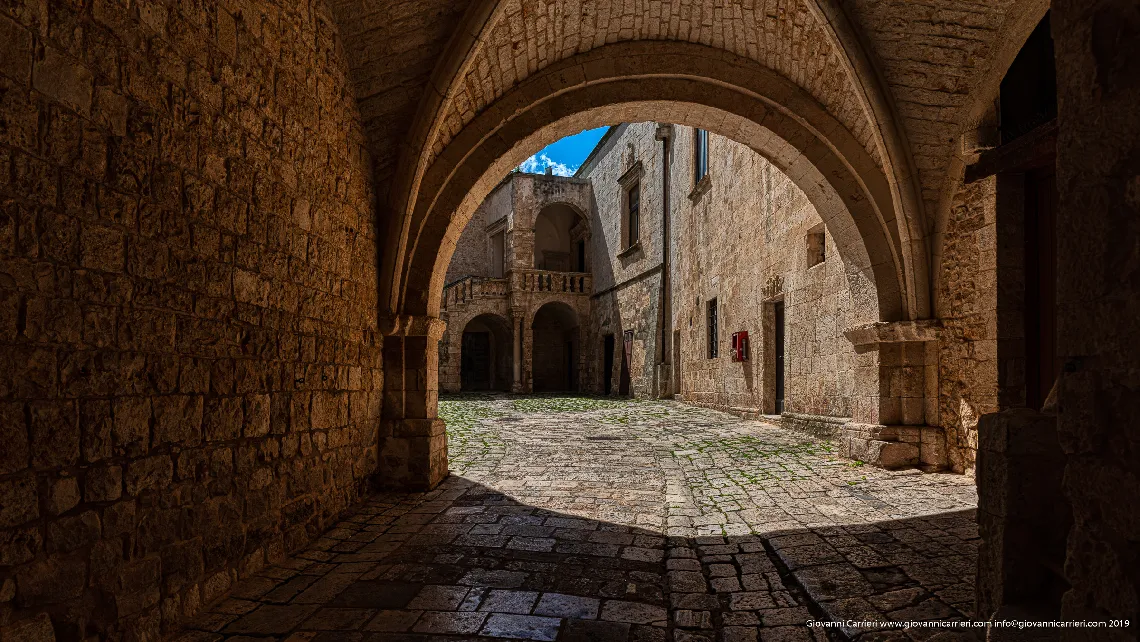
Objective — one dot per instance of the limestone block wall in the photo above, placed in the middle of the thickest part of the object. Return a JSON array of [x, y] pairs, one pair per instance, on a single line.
[[626, 281], [190, 378], [472, 256], [968, 345], [633, 308], [743, 239], [530, 193]]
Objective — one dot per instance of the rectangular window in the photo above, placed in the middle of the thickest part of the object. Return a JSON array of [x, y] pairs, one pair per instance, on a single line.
[[712, 323], [701, 154], [633, 207], [498, 256]]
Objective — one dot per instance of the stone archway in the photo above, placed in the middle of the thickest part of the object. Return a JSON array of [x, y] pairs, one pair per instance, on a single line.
[[485, 354], [691, 85], [554, 229], [556, 349]]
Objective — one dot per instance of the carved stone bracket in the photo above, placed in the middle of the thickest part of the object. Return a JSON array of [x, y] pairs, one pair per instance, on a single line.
[[894, 332], [403, 325]]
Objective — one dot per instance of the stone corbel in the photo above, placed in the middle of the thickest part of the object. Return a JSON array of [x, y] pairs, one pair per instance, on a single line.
[[406, 325], [894, 332]]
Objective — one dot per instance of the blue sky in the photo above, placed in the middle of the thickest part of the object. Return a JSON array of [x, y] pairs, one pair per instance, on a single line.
[[566, 155]]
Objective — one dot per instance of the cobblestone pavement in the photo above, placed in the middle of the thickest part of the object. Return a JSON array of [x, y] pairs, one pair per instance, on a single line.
[[581, 519]]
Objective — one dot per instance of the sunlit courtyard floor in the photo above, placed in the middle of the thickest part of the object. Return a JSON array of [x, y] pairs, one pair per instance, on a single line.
[[574, 518]]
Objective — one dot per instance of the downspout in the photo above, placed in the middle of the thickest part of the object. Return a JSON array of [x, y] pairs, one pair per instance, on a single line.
[[664, 307]]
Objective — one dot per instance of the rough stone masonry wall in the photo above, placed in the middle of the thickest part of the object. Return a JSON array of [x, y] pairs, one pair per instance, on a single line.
[[744, 242], [1098, 299], [472, 256], [188, 375], [968, 345]]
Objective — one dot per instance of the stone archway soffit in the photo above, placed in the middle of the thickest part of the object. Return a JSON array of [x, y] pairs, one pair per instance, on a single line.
[[592, 79], [482, 15]]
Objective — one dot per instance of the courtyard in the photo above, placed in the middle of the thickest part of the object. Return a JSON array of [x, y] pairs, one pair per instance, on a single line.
[[599, 519]]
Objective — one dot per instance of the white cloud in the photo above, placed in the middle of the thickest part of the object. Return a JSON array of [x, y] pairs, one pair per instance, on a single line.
[[538, 163]]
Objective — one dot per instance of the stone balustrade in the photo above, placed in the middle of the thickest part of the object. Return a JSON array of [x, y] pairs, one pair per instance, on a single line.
[[547, 281], [474, 287]]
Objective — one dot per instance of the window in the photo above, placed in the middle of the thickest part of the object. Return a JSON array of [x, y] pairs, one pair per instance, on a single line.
[[816, 243], [498, 255], [712, 323], [629, 186], [700, 154], [633, 214]]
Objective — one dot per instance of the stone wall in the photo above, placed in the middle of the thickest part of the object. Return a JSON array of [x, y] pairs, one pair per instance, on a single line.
[[1098, 232], [472, 256], [968, 345], [627, 281], [743, 240], [190, 382]]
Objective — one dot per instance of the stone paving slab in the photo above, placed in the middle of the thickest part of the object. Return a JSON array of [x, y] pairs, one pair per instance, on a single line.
[[601, 519]]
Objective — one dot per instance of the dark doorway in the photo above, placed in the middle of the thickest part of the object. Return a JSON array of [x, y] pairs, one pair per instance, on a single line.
[[581, 256], [475, 372], [677, 374], [1040, 285], [485, 359], [779, 361], [626, 360], [555, 352], [608, 363]]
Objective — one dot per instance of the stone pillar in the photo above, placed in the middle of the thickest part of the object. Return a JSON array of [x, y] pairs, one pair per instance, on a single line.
[[1098, 304], [526, 346], [412, 439], [1022, 516], [516, 347], [896, 394]]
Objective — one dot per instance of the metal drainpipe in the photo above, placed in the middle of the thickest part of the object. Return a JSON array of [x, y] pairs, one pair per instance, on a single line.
[[664, 311]]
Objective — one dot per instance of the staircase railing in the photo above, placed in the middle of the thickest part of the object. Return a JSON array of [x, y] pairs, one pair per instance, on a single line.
[[473, 287]]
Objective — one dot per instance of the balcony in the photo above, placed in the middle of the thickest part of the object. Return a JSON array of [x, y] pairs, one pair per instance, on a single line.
[[547, 281], [528, 281]]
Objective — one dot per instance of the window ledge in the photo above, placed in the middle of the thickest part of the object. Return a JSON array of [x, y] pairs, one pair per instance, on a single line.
[[700, 188], [629, 251]]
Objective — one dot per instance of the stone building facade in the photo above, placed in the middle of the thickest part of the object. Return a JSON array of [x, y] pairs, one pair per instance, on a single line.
[[517, 302], [734, 248]]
